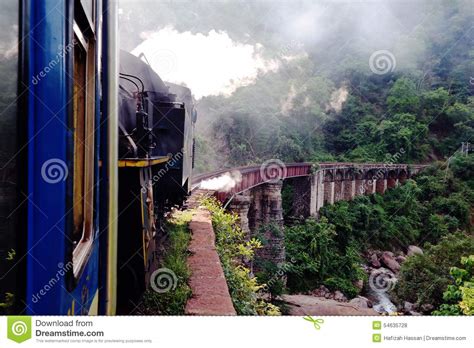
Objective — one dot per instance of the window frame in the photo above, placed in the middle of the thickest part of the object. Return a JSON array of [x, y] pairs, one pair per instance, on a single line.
[[84, 174]]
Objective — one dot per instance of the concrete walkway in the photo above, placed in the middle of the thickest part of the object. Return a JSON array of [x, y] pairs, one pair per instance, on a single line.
[[208, 284]]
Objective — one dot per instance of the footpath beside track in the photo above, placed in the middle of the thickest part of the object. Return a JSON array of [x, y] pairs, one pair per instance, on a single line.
[[210, 294]]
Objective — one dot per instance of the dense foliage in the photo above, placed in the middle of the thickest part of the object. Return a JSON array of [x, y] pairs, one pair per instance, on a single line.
[[460, 295], [175, 256], [318, 259], [424, 278], [234, 252], [435, 204], [432, 211]]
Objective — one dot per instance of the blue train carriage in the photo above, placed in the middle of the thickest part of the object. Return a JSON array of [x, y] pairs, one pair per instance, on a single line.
[[156, 127], [58, 188]]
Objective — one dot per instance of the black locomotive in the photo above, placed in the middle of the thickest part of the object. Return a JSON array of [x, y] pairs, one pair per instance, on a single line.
[[156, 152]]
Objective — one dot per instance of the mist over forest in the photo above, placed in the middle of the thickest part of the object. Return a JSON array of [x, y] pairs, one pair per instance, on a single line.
[[315, 96]]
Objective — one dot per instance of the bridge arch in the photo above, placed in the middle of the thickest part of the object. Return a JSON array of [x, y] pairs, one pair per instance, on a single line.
[[359, 174], [349, 174], [402, 175], [392, 178], [328, 176], [371, 174]]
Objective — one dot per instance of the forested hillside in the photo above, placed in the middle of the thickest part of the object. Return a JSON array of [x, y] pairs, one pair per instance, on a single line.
[[350, 80], [325, 103]]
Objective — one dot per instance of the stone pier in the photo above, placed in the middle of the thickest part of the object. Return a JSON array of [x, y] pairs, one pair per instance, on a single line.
[[339, 186], [317, 193], [266, 223], [381, 185], [240, 205], [328, 188], [301, 204]]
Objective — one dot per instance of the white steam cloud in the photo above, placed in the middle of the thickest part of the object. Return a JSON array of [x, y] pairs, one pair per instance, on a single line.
[[209, 64], [225, 182]]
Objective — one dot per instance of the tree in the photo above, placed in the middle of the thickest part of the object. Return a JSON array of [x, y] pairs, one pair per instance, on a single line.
[[459, 296], [424, 278], [403, 97], [315, 258], [403, 131]]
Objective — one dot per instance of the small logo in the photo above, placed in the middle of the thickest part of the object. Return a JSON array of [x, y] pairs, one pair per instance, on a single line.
[[19, 328], [273, 171], [163, 280], [54, 170], [377, 338], [317, 322], [376, 325], [382, 62], [166, 61], [382, 280]]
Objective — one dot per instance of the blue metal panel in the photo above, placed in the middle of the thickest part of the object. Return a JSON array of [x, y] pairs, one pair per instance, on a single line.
[[49, 139]]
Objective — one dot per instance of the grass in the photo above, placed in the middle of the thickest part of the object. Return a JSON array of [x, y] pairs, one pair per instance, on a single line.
[[175, 257]]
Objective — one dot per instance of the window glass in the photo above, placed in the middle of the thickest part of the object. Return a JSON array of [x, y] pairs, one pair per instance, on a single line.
[[84, 135], [8, 144], [79, 137]]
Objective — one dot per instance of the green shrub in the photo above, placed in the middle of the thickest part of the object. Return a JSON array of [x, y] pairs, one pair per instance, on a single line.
[[174, 301], [454, 205], [343, 285], [460, 295], [272, 276], [317, 258], [424, 278], [234, 250], [287, 196]]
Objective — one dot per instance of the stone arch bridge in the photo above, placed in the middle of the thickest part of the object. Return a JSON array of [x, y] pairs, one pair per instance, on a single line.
[[255, 192]]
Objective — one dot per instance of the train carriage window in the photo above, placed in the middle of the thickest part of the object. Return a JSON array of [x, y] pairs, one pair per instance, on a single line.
[[9, 204], [84, 135]]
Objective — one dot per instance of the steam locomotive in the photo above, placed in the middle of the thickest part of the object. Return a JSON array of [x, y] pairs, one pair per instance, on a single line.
[[95, 147], [156, 151]]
